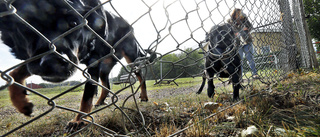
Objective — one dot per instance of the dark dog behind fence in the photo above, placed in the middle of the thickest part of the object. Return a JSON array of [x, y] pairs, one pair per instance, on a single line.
[[222, 59]]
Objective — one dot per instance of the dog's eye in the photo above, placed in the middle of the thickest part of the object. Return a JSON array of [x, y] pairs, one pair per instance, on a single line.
[[220, 37], [73, 24]]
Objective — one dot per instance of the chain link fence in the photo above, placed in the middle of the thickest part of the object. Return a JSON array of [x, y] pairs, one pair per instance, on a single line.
[[176, 31]]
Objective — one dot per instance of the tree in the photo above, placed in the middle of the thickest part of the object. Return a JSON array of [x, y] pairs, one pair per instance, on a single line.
[[193, 62], [170, 67], [188, 63], [312, 11]]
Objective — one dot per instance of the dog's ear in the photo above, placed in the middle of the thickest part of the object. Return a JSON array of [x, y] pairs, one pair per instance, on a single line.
[[98, 19], [207, 37], [222, 35], [91, 3]]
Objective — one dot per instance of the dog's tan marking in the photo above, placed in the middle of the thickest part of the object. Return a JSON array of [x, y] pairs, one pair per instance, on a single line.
[[143, 94], [126, 57], [107, 61], [17, 94], [86, 107], [104, 92], [103, 96], [77, 123]]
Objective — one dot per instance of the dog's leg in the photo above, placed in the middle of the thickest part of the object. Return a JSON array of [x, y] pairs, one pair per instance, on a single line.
[[236, 86], [203, 83], [211, 87], [104, 92], [143, 94], [130, 57], [18, 94], [86, 101], [106, 66], [235, 81]]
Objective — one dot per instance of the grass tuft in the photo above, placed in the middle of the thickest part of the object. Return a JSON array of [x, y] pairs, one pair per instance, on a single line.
[[290, 109]]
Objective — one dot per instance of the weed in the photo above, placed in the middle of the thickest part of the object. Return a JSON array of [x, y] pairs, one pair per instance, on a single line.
[[291, 109]]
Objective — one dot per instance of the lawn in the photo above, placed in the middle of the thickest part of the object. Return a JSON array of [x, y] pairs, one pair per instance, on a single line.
[[289, 108]]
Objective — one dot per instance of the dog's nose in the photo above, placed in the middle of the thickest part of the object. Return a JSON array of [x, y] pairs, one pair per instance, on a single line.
[[51, 59], [53, 63]]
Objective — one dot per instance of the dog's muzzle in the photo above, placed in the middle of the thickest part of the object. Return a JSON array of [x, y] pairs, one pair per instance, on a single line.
[[216, 54], [52, 68]]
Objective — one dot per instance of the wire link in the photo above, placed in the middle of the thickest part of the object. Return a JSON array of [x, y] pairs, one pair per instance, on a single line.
[[271, 51]]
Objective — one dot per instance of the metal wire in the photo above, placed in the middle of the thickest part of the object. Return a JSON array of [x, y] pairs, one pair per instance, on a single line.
[[178, 28]]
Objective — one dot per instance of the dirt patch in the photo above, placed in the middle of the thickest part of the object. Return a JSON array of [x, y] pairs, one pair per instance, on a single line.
[[291, 109]]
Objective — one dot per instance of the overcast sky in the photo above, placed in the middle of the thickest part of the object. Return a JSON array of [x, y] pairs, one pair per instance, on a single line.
[[167, 22]]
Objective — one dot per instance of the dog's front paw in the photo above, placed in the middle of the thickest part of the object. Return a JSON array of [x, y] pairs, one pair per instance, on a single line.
[[20, 100], [236, 99], [100, 104], [145, 99], [211, 92], [26, 109], [74, 125]]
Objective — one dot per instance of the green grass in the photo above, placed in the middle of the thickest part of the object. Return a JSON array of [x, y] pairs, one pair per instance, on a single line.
[[171, 108], [55, 121], [182, 82]]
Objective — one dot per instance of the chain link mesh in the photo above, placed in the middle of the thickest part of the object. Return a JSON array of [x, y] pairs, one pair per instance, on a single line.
[[176, 30]]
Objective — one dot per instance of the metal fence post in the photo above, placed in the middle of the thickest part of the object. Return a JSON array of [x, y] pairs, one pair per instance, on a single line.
[[304, 60], [289, 53], [310, 50]]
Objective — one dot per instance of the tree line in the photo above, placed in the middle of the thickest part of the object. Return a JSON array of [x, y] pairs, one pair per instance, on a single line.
[[187, 63], [53, 85]]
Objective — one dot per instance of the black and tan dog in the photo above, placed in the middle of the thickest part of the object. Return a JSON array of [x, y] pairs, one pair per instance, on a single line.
[[222, 58], [54, 19]]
